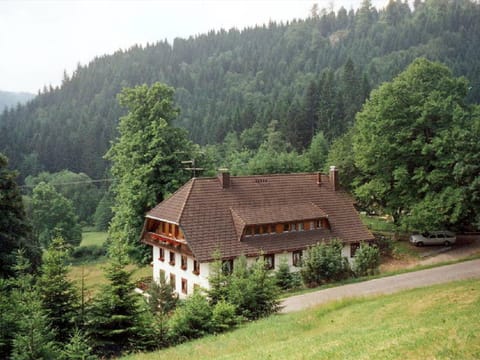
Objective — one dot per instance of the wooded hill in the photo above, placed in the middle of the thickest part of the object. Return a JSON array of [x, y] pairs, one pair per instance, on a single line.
[[310, 75]]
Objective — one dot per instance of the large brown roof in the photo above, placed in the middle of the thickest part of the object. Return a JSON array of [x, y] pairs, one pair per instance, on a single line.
[[212, 218]]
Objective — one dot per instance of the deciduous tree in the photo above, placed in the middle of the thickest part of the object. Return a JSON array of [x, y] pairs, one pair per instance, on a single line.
[[146, 160]]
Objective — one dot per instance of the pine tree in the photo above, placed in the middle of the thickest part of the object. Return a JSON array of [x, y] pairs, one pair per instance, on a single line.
[[58, 294], [15, 231], [33, 338], [114, 318], [78, 348]]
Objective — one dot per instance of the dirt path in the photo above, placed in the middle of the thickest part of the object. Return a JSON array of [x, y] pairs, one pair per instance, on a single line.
[[387, 285]]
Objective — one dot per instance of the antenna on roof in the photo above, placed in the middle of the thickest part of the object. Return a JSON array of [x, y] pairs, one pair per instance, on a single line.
[[192, 168]]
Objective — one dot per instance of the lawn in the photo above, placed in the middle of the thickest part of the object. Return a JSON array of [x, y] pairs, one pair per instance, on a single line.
[[439, 322], [93, 238], [93, 272]]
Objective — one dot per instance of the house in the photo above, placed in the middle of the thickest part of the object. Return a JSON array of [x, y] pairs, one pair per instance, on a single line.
[[273, 216]]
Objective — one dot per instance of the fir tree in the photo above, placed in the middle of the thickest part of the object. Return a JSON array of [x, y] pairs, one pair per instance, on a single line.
[[58, 294]]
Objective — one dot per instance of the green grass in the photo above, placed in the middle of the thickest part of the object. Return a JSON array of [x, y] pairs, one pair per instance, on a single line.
[[93, 238], [376, 223], [439, 322], [93, 272]]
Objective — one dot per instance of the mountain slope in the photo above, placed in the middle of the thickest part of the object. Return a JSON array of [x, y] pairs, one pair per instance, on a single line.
[[310, 75]]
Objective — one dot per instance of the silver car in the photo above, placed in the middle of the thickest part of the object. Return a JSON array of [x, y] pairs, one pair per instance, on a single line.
[[446, 238]]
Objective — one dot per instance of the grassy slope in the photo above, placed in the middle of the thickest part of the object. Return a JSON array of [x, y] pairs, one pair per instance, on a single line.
[[93, 273], [439, 322], [93, 238]]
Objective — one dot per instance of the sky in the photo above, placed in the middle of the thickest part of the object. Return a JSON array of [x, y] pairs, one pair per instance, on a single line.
[[40, 39]]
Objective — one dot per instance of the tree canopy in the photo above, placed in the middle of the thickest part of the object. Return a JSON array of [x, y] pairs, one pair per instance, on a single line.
[[15, 230], [407, 141], [146, 158]]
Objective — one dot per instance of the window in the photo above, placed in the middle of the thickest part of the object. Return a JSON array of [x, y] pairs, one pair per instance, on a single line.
[[162, 275], [227, 266], [184, 286], [353, 249], [300, 226], [161, 256], [184, 263], [172, 258], [318, 224], [196, 267], [269, 261], [173, 281], [286, 227], [297, 258]]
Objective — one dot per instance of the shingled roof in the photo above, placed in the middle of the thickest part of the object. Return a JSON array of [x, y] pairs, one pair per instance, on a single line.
[[212, 216]]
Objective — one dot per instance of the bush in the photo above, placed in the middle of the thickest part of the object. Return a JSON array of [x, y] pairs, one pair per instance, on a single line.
[[367, 260], [88, 253], [324, 263], [284, 278], [191, 320], [224, 316], [252, 290]]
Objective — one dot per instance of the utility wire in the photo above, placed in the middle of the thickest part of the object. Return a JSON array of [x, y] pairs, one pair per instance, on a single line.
[[73, 182]]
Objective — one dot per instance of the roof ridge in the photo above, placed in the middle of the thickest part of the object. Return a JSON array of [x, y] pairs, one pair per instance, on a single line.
[[192, 182]]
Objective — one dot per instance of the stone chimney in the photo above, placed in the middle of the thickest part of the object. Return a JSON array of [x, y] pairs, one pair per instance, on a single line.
[[224, 177], [319, 178], [334, 178]]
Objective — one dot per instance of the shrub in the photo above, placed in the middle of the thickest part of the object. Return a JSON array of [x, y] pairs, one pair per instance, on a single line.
[[191, 320], [224, 316], [284, 278], [367, 260], [88, 253], [253, 290], [323, 263]]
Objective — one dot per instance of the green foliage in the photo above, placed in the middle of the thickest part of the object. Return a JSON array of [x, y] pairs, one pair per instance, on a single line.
[[103, 213], [367, 260], [162, 297], [8, 319], [309, 74], [406, 145], [323, 263], [252, 290], [88, 253], [78, 188], [191, 319], [58, 294], [284, 278], [77, 348], [53, 216], [146, 160], [224, 317], [317, 152], [33, 338], [15, 231], [114, 318]]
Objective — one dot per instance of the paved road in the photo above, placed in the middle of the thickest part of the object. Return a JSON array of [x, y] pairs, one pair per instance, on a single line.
[[387, 285]]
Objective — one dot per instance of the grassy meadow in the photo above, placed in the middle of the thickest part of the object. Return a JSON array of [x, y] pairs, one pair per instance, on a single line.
[[93, 238], [93, 272], [439, 322]]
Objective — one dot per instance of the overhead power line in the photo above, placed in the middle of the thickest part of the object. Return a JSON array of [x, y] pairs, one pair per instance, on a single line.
[[74, 182]]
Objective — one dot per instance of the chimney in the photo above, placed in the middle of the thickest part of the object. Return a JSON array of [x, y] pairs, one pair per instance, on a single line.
[[319, 178], [224, 177], [334, 178]]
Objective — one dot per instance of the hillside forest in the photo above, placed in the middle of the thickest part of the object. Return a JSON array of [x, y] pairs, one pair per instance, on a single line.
[[389, 96]]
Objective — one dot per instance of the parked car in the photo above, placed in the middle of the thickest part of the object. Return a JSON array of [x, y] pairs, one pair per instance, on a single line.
[[446, 238]]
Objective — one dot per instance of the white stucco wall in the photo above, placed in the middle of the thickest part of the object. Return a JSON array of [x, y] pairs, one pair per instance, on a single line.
[[202, 278]]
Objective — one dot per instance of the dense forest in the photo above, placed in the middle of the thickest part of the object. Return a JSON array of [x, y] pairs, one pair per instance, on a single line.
[[308, 75]]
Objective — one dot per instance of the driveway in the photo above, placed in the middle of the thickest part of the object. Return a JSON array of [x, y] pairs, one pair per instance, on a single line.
[[387, 285]]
